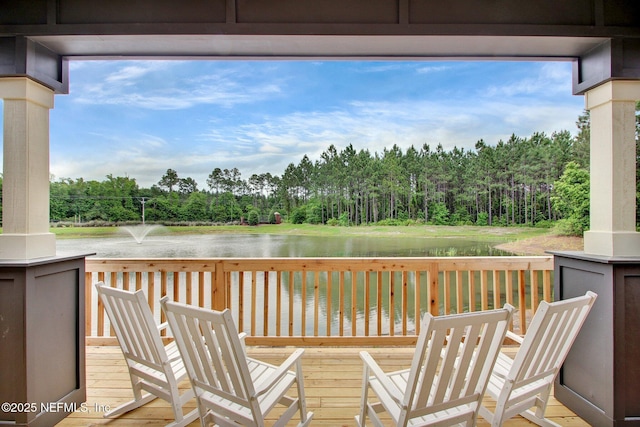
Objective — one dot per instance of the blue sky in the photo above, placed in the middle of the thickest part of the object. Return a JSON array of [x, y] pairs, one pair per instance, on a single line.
[[139, 118]]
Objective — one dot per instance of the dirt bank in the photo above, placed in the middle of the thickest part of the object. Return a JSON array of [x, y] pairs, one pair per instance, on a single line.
[[539, 245]]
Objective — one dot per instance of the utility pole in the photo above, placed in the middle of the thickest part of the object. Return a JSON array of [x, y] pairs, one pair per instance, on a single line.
[[143, 201]]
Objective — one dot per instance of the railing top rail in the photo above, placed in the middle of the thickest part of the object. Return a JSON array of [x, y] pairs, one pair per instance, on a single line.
[[323, 263], [149, 264]]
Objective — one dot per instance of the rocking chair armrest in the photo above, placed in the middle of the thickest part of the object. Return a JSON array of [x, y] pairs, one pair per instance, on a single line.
[[243, 336], [515, 337], [282, 370], [379, 374]]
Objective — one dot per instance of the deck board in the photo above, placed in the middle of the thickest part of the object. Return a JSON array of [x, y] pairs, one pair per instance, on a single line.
[[333, 380]]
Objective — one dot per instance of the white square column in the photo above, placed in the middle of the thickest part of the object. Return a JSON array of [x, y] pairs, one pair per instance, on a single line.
[[613, 170], [25, 189]]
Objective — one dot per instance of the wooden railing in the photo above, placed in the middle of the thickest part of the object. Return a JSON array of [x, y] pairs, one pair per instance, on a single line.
[[327, 301]]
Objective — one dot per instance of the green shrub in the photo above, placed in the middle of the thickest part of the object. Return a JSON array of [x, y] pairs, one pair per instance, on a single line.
[[313, 213], [389, 222], [483, 219], [546, 223], [253, 217], [571, 227], [299, 215], [439, 214], [571, 198], [344, 219]]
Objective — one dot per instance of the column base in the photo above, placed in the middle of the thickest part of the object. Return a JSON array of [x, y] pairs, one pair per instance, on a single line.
[[612, 243], [42, 344], [600, 376], [27, 246]]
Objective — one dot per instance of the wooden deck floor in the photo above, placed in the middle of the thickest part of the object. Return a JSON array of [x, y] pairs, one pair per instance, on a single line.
[[333, 378]]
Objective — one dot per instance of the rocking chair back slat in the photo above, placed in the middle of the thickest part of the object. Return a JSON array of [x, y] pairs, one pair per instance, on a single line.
[[150, 367], [556, 325], [223, 378], [525, 382], [131, 324], [449, 372]]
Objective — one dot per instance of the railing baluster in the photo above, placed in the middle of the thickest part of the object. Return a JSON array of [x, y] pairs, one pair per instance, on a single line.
[[291, 290], [176, 286], [354, 299], [392, 314], [405, 303], [316, 302], [367, 301], [254, 296], [201, 278], [265, 296], [496, 289], [472, 291], [189, 288], [418, 305], [341, 296], [163, 284], [484, 290], [220, 286], [151, 299], [329, 317], [379, 303], [522, 302], [138, 280], [125, 280], [88, 302], [303, 306], [163, 292], [434, 301], [459, 293], [446, 290], [240, 300], [534, 290], [278, 303], [546, 285], [508, 274], [99, 310]]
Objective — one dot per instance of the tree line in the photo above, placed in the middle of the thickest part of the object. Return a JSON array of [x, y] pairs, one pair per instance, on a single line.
[[534, 181]]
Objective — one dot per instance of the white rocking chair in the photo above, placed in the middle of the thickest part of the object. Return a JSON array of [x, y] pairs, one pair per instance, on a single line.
[[519, 384], [451, 366], [153, 367], [232, 389]]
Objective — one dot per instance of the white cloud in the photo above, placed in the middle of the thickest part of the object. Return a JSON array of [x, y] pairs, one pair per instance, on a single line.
[[236, 133], [376, 125], [129, 86], [432, 69], [548, 79], [132, 73]]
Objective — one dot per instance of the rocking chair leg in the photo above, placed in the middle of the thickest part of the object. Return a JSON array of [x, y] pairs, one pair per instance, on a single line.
[[361, 419], [129, 406]]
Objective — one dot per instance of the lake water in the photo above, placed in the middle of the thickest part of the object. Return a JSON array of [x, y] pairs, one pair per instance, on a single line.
[[264, 246]]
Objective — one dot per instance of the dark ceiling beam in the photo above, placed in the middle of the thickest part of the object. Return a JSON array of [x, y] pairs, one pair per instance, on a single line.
[[615, 59], [602, 36], [585, 13], [21, 57]]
